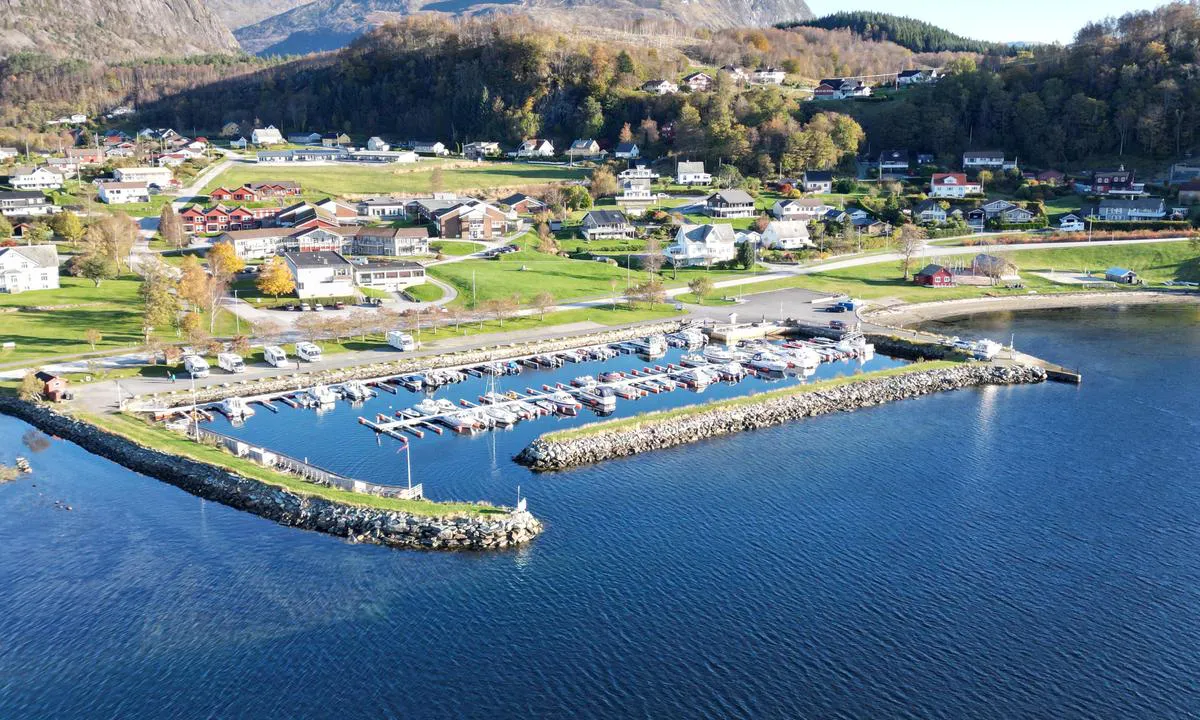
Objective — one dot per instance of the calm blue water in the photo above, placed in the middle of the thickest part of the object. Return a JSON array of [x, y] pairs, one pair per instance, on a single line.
[[1015, 552]]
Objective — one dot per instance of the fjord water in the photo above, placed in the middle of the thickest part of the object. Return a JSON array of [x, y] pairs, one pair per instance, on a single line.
[[1005, 552]]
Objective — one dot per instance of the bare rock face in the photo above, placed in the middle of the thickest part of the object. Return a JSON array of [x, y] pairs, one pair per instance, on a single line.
[[328, 24], [113, 29]]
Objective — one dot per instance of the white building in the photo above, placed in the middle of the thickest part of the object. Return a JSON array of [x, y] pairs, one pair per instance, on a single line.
[[266, 136], [983, 159], [953, 185], [481, 149], [377, 143], [786, 235], [768, 76], [25, 203], [660, 87], [800, 209], [28, 267], [691, 173], [159, 176], [383, 208], [641, 172], [1071, 223], [388, 275], [435, 148], [535, 148], [702, 245], [321, 274], [34, 178], [635, 191], [116, 193]]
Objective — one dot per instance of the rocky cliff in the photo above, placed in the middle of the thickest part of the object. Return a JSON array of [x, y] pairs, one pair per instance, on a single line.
[[110, 30], [327, 24]]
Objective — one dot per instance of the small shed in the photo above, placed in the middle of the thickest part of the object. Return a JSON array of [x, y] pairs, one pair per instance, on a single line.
[[1121, 275], [934, 276], [54, 388]]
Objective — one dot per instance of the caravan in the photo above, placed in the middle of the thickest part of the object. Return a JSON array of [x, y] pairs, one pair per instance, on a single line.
[[308, 352], [231, 362], [195, 366], [401, 340], [275, 356]]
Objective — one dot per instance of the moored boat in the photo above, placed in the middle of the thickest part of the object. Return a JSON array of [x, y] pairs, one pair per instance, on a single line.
[[718, 354]]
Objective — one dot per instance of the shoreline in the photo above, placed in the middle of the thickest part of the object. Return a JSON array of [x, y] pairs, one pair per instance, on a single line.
[[666, 429], [356, 523], [901, 316]]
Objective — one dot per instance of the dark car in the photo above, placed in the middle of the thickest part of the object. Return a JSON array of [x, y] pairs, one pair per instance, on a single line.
[[837, 325], [289, 307], [339, 305]]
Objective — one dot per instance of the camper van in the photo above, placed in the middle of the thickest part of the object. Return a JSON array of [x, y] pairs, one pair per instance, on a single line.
[[231, 362], [401, 340], [195, 366], [308, 352], [275, 356]]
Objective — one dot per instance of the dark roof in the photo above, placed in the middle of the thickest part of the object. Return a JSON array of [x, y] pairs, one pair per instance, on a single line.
[[931, 269], [519, 197], [607, 217], [909, 73], [394, 264], [733, 196], [21, 195], [45, 376], [319, 258], [818, 176], [626, 147]]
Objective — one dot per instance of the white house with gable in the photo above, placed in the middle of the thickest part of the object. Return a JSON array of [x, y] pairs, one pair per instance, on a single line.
[[269, 135], [28, 267], [702, 245]]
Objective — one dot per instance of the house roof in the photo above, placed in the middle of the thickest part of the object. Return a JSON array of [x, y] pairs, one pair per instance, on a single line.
[[909, 73], [626, 147], [40, 255], [931, 269], [1151, 204], [894, 156], [732, 196], [519, 197], [722, 232], [319, 258], [949, 179], [927, 205], [984, 154], [22, 195], [123, 186], [607, 217], [818, 176], [690, 167], [583, 144], [788, 228], [1119, 271]]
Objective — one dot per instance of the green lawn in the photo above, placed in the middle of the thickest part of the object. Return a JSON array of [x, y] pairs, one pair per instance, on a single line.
[[601, 315], [1153, 261], [425, 292], [168, 441], [114, 308], [528, 273], [383, 179], [713, 300], [455, 247], [1064, 204]]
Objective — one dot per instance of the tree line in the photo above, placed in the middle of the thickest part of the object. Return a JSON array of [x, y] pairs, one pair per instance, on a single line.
[[916, 35]]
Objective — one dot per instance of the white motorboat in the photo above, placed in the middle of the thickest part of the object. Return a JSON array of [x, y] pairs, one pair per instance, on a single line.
[[235, 408], [693, 360], [601, 397], [629, 392], [854, 343], [730, 371], [460, 422], [698, 378], [355, 391], [428, 406], [583, 381], [564, 403], [323, 395], [653, 346], [718, 354], [767, 361], [803, 357], [611, 375], [501, 416]]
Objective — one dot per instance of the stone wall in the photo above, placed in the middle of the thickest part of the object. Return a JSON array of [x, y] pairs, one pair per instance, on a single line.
[[354, 522], [546, 453], [478, 356]]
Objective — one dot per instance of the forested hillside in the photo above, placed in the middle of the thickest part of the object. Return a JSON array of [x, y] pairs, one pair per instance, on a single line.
[[916, 35], [1126, 86]]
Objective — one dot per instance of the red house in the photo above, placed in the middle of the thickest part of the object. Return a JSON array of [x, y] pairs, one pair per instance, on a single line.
[[934, 276], [193, 219], [54, 388], [221, 194]]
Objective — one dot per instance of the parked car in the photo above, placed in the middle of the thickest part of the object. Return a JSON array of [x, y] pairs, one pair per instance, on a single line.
[[304, 307], [339, 305], [837, 325], [290, 307], [318, 307]]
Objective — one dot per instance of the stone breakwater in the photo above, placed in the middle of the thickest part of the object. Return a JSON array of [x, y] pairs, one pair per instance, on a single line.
[[547, 453], [353, 522], [478, 356]]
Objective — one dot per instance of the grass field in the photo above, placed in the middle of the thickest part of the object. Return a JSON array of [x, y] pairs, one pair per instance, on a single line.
[[58, 327], [1155, 262], [455, 247], [162, 439], [383, 179], [425, 292]]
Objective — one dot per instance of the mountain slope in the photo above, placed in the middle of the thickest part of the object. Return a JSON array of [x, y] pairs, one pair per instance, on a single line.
[[112, 29], [240, 13], [327, 24]]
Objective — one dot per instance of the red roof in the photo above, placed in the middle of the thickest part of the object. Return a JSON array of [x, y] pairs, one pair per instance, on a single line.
[[949, 179]]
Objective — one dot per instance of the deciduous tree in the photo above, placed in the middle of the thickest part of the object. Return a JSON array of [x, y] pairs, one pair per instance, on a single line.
[[275, 279], [910, 241], [92, 337], [223, 261]]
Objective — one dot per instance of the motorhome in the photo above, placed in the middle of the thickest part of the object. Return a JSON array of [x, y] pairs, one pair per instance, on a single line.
[[275, 356], [195, 366], [231, 362], [308, 352], [401, 340]]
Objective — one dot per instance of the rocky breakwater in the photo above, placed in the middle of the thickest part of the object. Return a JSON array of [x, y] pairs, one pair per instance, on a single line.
[[667, 429], [358, 523]]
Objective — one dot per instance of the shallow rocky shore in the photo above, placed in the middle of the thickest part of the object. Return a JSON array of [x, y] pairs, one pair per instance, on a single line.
[[296, 381], [545, 454], [354, 522]]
